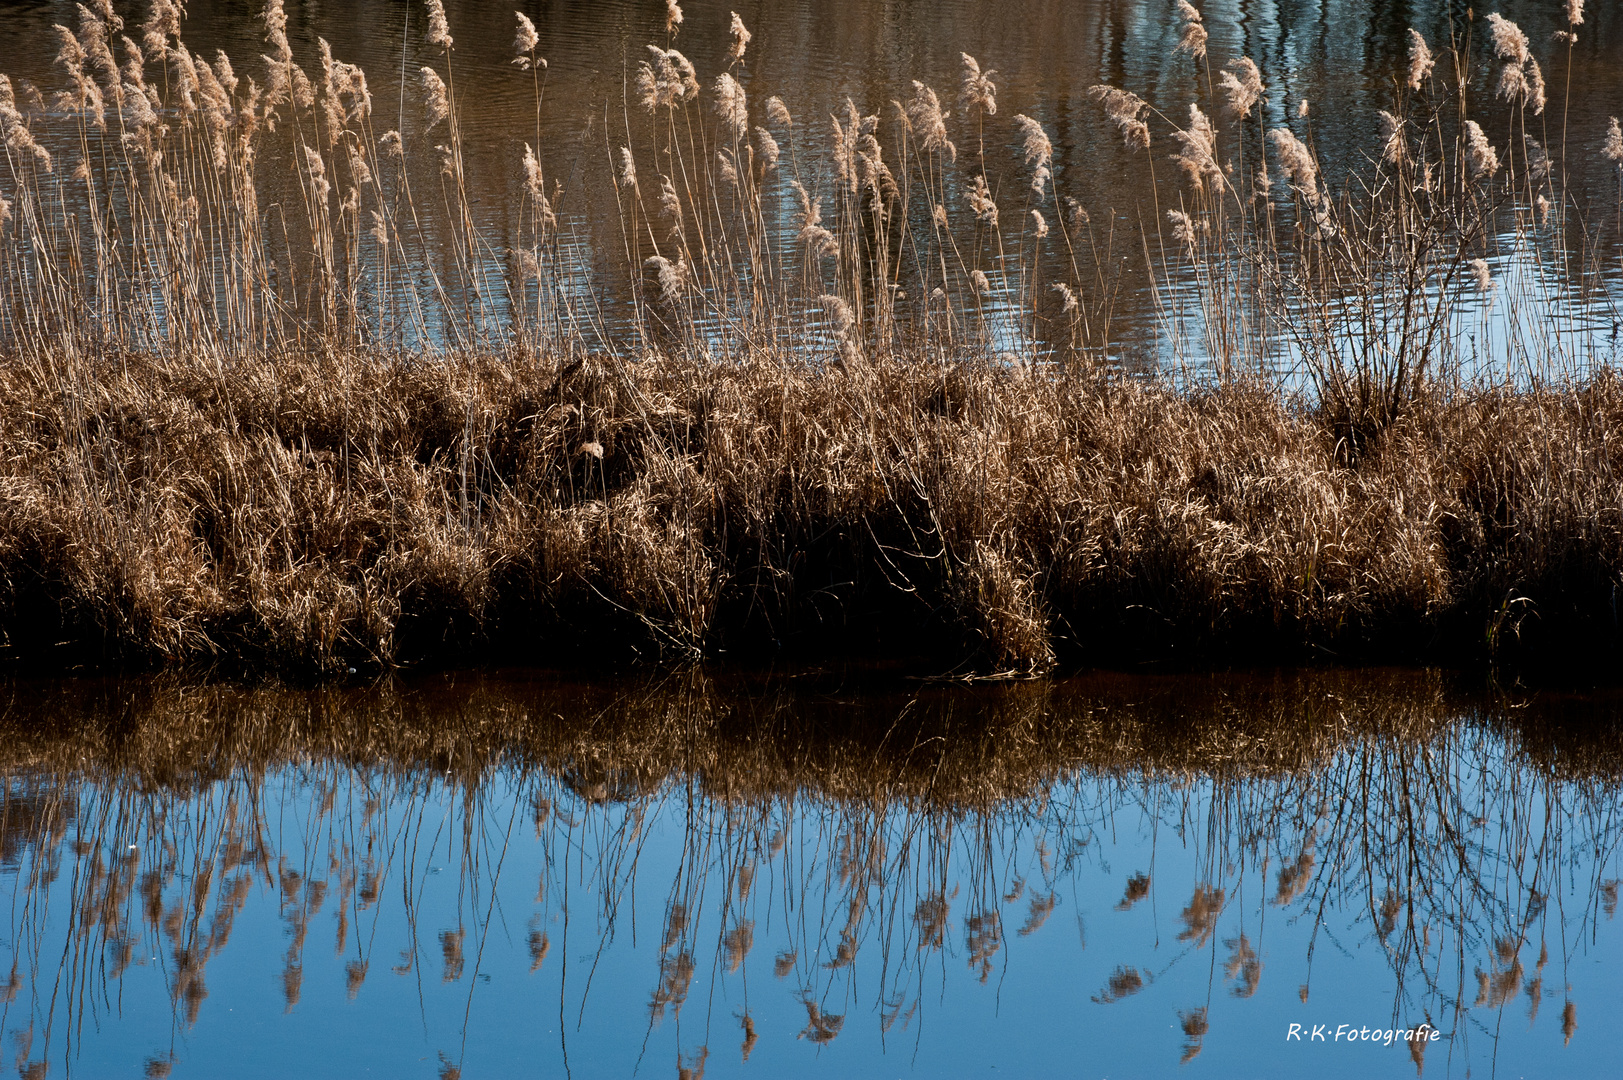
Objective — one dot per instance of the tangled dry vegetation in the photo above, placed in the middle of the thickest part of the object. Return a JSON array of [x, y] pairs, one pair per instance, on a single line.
[[309, 451], [346, 510]]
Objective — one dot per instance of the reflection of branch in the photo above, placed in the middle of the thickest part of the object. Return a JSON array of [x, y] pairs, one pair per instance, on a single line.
[[839, 851]]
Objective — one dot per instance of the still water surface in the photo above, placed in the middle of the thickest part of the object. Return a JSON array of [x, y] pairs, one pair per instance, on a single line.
[[525, 876]]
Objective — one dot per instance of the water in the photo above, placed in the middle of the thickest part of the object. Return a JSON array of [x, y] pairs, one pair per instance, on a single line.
[[810, 875], [1345, 58]]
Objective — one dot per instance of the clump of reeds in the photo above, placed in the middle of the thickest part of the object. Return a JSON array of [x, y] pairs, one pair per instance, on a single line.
[[372, 442]]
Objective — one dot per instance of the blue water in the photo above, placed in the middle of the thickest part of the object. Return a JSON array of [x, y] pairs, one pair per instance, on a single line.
[[886, 935]]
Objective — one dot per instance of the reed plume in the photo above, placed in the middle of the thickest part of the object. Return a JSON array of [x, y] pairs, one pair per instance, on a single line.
[[927, 122], [731, 106], [980, 200], [979, 91], [1393, 148], [740, 39], [1612, 148], [439, 31], [1481, 159], [525, 43], [1242, 86], [1038, 150], [1192, 35], [1197, 154], [1124, 108], [436, 99], [1183, 229]]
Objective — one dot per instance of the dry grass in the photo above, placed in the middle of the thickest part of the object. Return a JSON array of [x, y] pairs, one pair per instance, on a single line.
[[362, 442], [336, 511]]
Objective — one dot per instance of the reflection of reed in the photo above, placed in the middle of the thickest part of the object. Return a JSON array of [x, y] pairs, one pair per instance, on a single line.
[[1422, 829]]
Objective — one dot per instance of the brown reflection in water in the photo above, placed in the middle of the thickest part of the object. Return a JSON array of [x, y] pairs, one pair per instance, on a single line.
[[1123, 982], [1200, 917], [1194, 1027], [1243, 967], [158, 801], [1138, 887]]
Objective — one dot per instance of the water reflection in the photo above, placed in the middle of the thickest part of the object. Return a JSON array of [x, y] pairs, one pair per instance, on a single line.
[[473, 877]]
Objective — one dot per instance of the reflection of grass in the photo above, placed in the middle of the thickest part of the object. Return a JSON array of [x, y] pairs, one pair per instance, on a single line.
[[838, 837]]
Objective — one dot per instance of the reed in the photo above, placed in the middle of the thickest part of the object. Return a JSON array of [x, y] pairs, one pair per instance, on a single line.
[[347, 432]]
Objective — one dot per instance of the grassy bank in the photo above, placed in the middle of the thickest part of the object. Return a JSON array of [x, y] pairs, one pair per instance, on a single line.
[[273, 396], [353, 510]]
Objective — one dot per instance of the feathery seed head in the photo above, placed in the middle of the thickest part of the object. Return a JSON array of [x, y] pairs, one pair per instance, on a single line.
[[1183, 229], [1123, 108], [979, 90], [628, 168], [163, 23], [534, 184], [1481, 159], [1242, 84], [525, 42], [1392, 145], [740, 39], [673, 17], [980, 200], [1038, 150], [811, 213], [1078, 214], [839, 312], [1575, 12], [1508, 40], [667, 275], [1612, 148], [1067, 297], [928, 122], [671, 204], [1535, 84], [731, 106], [439, 32], [686, 74], [435, 98], [1197, 150], [1039, 224], [1538, 160], [1420, 59], [979, 282], [766, 148], [1193, 39], [778, 112], [1298, 164], [819, 242], [317, 170]]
